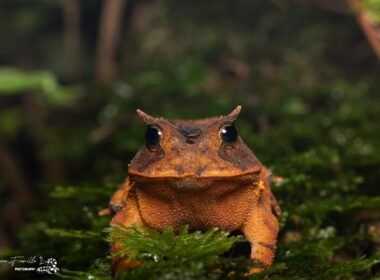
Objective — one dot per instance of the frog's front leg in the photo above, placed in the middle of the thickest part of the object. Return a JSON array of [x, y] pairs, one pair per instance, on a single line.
[[128, 216], [261, 228], [267, 180], [118, 199]]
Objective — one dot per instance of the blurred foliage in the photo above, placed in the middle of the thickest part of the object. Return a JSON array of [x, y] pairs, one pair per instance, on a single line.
[[307, 81], [373, 9], [13, 81]]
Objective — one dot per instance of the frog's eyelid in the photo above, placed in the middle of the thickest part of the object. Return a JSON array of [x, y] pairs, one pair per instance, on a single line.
[[224, 120], [234, 114], [145, 117], [230, 118], [149, 120]]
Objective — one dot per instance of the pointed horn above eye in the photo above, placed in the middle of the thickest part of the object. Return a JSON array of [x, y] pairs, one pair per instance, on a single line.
[[235, 113], [145, 117]]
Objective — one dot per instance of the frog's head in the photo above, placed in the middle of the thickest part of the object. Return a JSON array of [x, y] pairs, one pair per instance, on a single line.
[[189, 150]]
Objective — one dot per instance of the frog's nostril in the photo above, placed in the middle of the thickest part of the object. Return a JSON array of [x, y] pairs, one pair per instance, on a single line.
[[190, 141]]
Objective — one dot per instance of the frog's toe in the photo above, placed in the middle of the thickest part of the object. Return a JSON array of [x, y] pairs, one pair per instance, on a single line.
[[104, 212], [116, 207]]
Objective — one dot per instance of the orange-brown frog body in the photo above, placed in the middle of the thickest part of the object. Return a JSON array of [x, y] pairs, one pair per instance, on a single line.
[[199, 173]]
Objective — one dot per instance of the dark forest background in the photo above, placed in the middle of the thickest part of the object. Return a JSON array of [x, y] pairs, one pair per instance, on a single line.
[[307, 73]]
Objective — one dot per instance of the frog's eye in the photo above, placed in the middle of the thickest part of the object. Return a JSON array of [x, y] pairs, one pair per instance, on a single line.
[[152, 136], [229, 134]]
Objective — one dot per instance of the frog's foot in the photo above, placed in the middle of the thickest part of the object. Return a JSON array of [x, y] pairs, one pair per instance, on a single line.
[[113, 208], [127, 216], [121, 264], [255, 270], [275, 206], [104, 212], [261, 228], [278, 179], [124, 265]]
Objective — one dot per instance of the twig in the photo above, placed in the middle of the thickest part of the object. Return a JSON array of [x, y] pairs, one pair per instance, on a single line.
[[107, 129], [36, 118], [4, 241], [71, 12], [14, 174], [109, 30]]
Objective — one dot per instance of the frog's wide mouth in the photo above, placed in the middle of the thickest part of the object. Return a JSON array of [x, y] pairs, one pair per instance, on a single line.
[[192, 180], [160, 174]]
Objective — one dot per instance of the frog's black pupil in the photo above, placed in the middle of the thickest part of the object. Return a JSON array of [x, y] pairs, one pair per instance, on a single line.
[[229, 134], [152, 136]]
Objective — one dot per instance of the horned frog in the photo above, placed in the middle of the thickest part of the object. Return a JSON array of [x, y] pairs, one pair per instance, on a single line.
[[199, 173]]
